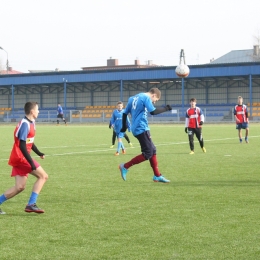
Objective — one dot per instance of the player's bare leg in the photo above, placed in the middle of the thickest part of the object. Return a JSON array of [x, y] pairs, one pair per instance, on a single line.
[[20, 183], [240, 135], [246, 135], [42, 177]]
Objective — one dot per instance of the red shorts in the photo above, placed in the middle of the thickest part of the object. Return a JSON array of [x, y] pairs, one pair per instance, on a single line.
[[23, 169]]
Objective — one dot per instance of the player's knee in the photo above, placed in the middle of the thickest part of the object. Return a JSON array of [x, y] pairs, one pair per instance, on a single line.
[[45, 176], [20, 187]]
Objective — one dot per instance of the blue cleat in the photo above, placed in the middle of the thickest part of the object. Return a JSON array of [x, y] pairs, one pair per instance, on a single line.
[[160, 179], [123, 171]]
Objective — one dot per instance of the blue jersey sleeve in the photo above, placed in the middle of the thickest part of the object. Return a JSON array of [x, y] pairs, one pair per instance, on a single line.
[[23, 132]]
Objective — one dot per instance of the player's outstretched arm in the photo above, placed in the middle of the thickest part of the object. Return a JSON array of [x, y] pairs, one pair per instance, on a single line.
[[160, 110]]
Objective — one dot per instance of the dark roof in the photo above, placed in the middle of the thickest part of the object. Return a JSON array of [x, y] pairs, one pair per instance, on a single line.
[[237, 57]]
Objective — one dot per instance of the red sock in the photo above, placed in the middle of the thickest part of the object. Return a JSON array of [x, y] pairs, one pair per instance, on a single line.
[[154, 165], [138, 159]]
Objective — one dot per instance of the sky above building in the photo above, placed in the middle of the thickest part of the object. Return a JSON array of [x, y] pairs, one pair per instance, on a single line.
[[69, 35]]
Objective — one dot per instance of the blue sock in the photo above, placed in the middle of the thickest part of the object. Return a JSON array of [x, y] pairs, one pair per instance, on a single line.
[[2, 199], [119, 146], [240, 140], [122, 146], [33, 198]]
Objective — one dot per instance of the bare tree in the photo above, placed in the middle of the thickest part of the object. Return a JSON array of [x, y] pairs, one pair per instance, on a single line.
[[2, 67], [256, 51]]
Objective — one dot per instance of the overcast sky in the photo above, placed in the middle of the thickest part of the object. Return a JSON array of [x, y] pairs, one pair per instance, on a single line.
[[71, 34]]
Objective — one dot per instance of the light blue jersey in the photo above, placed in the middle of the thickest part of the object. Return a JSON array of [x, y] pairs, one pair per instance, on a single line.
[[138, 106], [116, 120]]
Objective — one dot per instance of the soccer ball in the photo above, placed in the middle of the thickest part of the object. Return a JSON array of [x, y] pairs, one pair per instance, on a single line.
[[182, 71]]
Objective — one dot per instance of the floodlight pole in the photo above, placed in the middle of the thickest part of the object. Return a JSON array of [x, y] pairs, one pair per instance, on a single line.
[[250, 93], [65, 95], [121, 90], [182, 95], [7, 62]]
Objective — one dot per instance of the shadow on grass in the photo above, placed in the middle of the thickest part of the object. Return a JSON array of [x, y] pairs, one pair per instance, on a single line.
[[20, 214], [217, 183]]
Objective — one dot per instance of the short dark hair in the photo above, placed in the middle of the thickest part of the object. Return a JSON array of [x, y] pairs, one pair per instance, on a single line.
[[29, 106], [120, 103], [193, 100]]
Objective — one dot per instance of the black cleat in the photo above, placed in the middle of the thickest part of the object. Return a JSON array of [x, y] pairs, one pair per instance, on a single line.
[[33, 208]]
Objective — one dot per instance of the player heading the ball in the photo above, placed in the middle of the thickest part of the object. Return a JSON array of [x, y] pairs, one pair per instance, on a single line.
[[138, 106]]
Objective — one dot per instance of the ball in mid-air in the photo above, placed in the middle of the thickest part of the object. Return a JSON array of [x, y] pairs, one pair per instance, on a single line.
[[182, 71]]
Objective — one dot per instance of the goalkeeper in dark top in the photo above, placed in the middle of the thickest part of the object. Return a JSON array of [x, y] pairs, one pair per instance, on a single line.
[[138, 106], [60, 115], [193, 125]]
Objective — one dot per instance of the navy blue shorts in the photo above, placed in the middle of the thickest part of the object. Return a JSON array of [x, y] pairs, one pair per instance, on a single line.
[[242, 126], [147, 147]]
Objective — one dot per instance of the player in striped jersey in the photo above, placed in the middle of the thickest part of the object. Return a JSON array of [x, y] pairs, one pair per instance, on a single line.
[[22, 162], [193, 125], [241, 116]]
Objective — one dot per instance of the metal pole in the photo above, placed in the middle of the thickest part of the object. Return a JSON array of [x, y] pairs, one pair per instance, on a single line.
[[182, 95], [250, 94], [13, 98], [65, 97], [121, 90]]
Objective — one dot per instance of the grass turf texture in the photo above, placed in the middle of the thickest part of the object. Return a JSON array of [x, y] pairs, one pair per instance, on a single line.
[[210, 210]]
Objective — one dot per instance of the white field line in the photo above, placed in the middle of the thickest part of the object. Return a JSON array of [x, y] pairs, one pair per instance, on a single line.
[[135, 146]]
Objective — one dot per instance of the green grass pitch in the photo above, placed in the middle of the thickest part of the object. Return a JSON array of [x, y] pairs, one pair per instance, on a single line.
[[210, 210]]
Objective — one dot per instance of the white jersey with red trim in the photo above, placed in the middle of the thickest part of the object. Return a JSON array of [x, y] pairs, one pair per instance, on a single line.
[[193, 117]]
